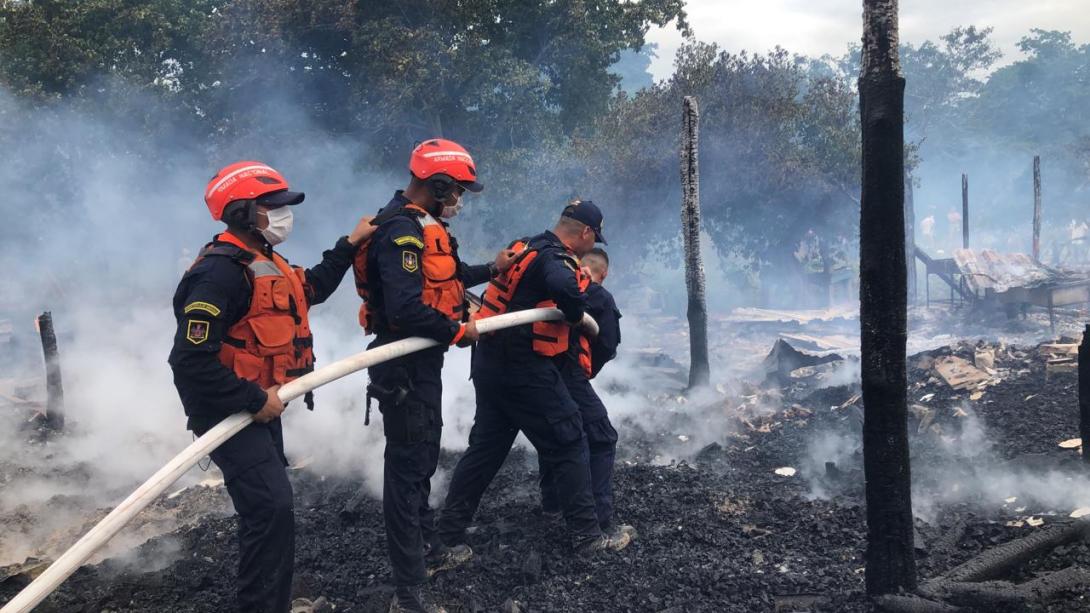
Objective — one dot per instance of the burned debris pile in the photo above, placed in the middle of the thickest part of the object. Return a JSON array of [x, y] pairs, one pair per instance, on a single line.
[[767, 516]]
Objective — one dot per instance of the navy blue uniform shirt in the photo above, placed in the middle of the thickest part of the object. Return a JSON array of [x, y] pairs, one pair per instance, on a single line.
[[603, 308], [550, 276], [395, 279], [216, 290]]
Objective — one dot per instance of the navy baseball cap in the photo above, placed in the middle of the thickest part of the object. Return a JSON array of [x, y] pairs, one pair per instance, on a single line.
[[587, 212], [280, 198]]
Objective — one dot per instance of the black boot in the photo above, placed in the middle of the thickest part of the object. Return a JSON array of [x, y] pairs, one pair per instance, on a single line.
[[442, 558], [593, 546], [415, 599]]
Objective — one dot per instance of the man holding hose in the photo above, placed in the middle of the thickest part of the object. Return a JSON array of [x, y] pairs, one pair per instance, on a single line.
[[243, 331], [520, 388], [413, 283]]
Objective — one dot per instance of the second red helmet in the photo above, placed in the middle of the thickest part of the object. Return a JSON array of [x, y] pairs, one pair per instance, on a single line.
[[442, 156]]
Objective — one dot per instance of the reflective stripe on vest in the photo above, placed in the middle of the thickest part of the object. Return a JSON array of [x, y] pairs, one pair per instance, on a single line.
[[264, 268], [271, 344]]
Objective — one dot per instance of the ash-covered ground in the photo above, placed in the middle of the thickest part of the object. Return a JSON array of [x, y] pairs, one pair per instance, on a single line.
[[719, 528]]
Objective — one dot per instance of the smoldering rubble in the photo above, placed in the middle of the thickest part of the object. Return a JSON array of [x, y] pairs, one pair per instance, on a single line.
[[748, 497]]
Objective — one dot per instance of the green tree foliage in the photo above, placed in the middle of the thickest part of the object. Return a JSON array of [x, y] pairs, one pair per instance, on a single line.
[[967, 115], [1038, 103], [941, 78], [534, 89], [57, 48], [496, 73], [779, 150]]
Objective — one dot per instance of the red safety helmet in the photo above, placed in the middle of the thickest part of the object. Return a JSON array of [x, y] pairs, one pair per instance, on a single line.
[[446, 157], [248, 180]]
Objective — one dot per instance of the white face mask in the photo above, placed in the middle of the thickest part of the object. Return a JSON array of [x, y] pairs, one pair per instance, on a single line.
[[451, 211], [280, 223]]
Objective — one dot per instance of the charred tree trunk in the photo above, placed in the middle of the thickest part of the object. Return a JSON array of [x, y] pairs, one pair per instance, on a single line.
[[699, 369], [890, 565], [54, 411], [964, 211], [1036, 208], [1084, 393], [910, 239]]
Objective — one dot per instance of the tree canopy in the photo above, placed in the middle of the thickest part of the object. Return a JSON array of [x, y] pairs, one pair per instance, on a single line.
[[552, 97]]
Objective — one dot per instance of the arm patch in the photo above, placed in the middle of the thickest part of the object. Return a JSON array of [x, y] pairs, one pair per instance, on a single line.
[[196, 331], [410, 261], [207, 307], [409, 239]]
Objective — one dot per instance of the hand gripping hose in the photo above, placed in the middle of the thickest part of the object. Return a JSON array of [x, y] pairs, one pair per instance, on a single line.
[[110, 525]]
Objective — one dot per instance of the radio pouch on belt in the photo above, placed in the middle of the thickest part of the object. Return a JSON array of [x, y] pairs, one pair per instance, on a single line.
[[405, 418], [393, 396]]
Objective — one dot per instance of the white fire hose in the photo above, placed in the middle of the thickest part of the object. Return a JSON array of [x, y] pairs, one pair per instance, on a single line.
[[110, 525]]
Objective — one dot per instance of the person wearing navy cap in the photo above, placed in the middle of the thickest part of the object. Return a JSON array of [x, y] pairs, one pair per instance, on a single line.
[[519, 387], [587, 213], [581, 363]]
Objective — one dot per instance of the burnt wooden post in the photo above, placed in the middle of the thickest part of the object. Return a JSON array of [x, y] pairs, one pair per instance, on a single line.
[[910, 239], [889, 557], [964, 211], [1036, 208], [54, 410], [1084, 393], [699, 370]]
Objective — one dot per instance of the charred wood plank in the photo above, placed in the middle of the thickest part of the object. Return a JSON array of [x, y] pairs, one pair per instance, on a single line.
[[1050, 586], [1000, 560], [987, 593], [909, 603], [1005, 594]]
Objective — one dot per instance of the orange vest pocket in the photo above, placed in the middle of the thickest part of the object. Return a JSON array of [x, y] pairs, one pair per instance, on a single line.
[[249, 367], [280, 365], [274, 334], [439, 266], [281, 292]]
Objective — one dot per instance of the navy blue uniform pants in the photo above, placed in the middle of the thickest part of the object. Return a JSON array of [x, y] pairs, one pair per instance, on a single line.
[[410, 392], [538, 403], [253, 466], [601, 446]]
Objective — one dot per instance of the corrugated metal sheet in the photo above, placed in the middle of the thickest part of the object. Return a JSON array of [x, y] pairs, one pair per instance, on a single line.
[[988, 269]]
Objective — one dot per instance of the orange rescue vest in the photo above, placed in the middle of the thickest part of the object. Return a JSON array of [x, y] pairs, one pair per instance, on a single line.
[[442, 289], [272, 343], [550, 338]]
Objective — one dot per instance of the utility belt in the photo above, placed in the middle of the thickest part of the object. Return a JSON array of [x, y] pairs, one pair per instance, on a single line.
[[405, 417]]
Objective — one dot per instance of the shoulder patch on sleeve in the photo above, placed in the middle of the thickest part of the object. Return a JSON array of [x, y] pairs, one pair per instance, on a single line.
[[207, 307], [196, 331], [409, 239], [410, 261]]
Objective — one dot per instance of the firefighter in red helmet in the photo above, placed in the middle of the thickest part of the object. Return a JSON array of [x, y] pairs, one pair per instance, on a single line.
[[414, 284], [243, 331]]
